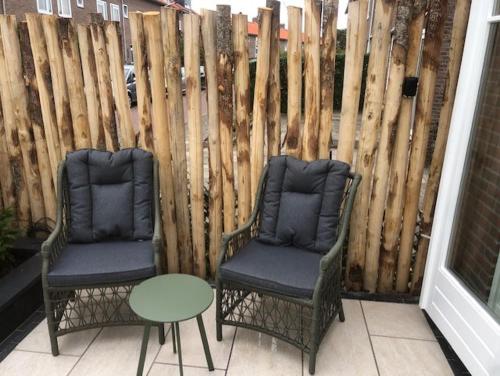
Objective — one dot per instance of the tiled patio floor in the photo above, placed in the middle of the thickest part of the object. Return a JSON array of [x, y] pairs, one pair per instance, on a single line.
[[376, 339]]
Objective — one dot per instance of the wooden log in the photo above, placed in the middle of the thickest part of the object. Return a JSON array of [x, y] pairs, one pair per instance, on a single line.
[[91, 88], [115, 54], [274, 93], [60, 89], [142, 84], [397, 175], [460, 19], [171, 52], [356, 40], [312, 24], [358, 260], [104, 82], [44, 81], [19, 119], [242, 100], [161, 135], [7, 183], [225, 87], [209, 30], [423, 115], [389, 120], [260, 100], [294, 78], [327, 75], [191, 26], [35, 116], [68, 40]]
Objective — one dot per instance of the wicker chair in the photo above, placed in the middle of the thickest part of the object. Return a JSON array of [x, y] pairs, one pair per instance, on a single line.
[[106, 240], [281, 272]]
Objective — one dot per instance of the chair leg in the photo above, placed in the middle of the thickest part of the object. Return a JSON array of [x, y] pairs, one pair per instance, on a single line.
[[341, 312], [161, 334], [218, 311], [49, 312], [312, 362]]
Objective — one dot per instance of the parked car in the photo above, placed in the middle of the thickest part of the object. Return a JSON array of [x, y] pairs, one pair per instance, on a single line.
[[130, 80]]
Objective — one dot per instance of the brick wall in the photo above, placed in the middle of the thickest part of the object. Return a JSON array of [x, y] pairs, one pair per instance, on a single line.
[[477, 241]]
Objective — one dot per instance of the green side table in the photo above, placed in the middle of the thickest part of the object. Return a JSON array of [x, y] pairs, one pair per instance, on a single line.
[[172, 298]]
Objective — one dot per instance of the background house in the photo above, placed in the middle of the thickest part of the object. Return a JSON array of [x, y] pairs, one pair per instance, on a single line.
[[253, 32]]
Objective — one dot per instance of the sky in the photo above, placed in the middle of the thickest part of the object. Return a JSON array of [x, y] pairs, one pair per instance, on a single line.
[[250, 8]]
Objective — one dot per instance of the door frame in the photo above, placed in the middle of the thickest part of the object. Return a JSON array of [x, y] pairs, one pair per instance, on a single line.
[[464, 321]]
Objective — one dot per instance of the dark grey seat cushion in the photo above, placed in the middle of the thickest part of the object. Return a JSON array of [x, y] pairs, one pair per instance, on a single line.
[[106, 262], [284, 270], [110, 195], [301, 203]]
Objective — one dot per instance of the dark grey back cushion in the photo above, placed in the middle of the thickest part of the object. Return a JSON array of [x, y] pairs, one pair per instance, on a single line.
[[110, 195], [301, 203]]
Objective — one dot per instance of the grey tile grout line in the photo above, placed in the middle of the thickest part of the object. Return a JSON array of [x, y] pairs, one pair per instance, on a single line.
[[231, 350], [369, 337], [44, 353], [407, 338], [188, 366], [85, 351], [159, 348]]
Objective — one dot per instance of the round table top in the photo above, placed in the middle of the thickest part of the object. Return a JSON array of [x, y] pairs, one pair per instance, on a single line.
[[171, 298]]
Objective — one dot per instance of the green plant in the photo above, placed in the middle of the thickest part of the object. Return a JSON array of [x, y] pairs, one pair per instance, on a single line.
[[8, 234]]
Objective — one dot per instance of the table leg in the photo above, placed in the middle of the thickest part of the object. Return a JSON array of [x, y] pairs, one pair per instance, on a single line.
[[144, 347], [173, 336], [178, 335], [203, 335], [161, 333]]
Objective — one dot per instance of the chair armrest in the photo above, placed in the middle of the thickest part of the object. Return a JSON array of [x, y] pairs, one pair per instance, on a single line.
[[158, 228], [57, 240], [328, 259]]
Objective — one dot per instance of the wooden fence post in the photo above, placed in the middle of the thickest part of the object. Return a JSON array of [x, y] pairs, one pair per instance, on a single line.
[[7, 182], [460, 18], [104, 82], [171, 53], [225, 87], [242, 100], [209, 30], [161, 132], [142, 84], [423, 114], [294, 78], [118, 84], [312, 25], [274, 94], [356, 40], [260, 100], [44, 81], [68, 39], [19, 125], [371, 117], [191, 26], [397, 175], [389, 120], [91, 88], [60, 89], [327, 74], [35, 114]]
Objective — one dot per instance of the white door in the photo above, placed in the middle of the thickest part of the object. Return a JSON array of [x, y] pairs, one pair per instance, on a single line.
[[461, 290]]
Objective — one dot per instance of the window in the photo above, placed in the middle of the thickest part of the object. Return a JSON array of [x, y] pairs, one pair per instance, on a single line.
[[44, 6], [125, 11], [102, 8], [80, 3], [115, 12], [64, 8]]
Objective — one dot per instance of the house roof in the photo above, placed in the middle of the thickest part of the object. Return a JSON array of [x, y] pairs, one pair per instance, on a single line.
[[253, 29], [176, 6]]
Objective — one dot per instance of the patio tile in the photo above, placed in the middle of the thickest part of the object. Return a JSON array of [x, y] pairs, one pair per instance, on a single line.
[[115, 351], [255, 353], [346, 348], [396, 320], [192, 348], [36, 364], [69, 344], [407, 357], [173, 370]]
